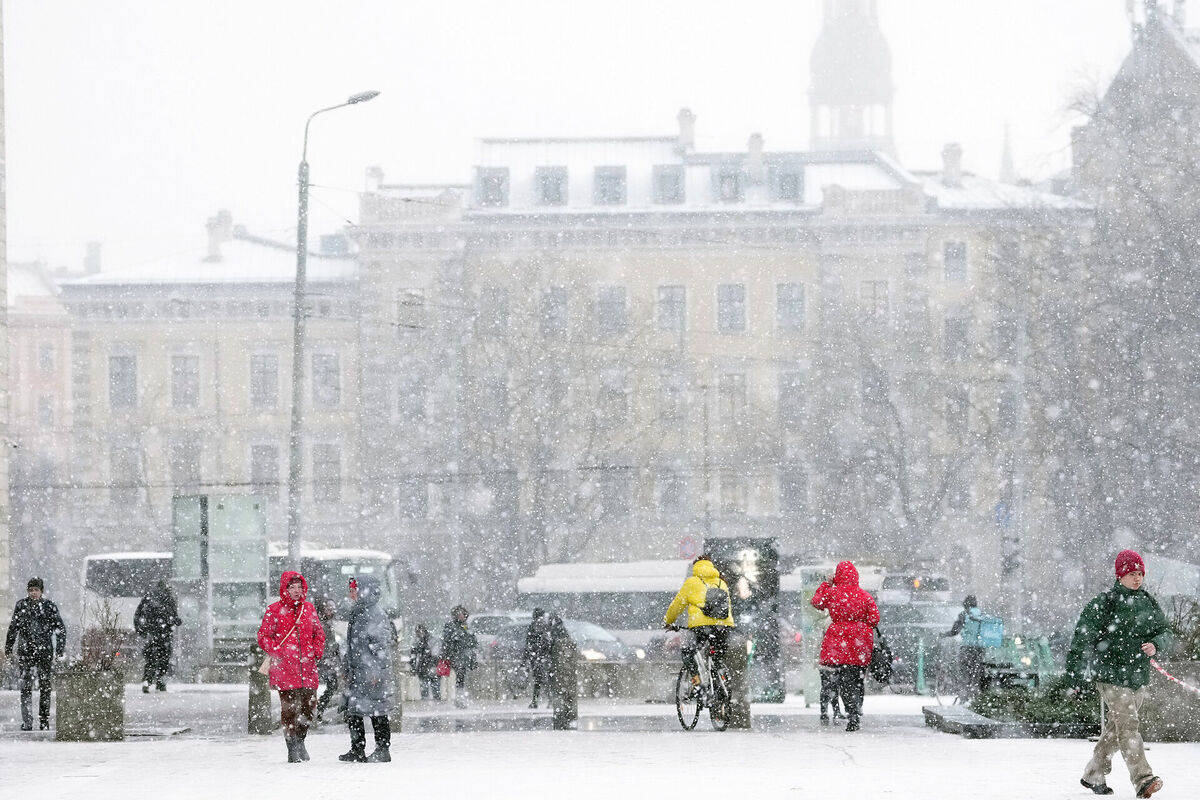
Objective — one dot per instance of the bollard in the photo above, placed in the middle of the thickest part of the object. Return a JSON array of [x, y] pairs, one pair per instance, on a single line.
[[737, 668], [258, 710], [400, 676], [564, 683]]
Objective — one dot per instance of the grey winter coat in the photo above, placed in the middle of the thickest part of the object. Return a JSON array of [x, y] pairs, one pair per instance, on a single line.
[[370, 653]]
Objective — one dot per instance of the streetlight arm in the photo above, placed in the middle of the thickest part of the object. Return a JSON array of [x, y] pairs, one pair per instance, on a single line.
[[361, 97]]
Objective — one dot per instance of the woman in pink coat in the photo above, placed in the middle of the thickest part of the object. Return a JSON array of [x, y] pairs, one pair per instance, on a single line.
[[849, 639], [291, 634]]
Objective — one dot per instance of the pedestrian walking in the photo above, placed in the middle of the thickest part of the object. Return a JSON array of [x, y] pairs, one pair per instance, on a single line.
[[155, 621], [458, 648], [564, 687], [370, 677], [850, 636], [423, 663], [39, 637], [970, 649], [1118, 633], [292, 636], [538, 654], [829, 694], [330, 665]]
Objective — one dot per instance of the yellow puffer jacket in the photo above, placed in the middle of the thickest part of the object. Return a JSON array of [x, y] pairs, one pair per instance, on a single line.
[[691, 597]]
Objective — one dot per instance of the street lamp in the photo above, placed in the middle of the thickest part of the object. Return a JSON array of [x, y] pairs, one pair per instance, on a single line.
[[296, 451]]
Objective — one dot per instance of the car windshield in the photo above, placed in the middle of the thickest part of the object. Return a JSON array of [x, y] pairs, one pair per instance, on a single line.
[[934, 614], [581, 631]]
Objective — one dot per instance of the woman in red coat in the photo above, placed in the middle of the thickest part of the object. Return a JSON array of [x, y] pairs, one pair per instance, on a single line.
[[849, 639], [292, 636]]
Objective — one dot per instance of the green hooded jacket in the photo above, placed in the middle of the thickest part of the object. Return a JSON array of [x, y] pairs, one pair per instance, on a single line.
[[1107, 646]]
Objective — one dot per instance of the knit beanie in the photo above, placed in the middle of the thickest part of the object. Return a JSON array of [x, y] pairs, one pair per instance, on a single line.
[[36, 583], [1129, 561]]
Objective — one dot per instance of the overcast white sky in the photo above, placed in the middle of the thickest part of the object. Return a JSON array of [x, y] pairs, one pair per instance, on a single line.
[[130, 122]]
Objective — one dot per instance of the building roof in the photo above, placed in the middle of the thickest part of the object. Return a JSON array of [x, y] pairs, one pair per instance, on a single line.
[[242, 259], [983, 194]]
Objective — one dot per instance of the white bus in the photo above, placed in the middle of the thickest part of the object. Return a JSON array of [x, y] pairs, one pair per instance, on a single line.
[[628, 598], [121, 579]]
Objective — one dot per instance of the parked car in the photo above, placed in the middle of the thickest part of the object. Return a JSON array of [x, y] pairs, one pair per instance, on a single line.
[[486, 624], [913, 632], [594, 643], [664, 645]]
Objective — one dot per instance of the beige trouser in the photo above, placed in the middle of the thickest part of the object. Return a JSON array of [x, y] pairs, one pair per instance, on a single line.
[[1120, 731]]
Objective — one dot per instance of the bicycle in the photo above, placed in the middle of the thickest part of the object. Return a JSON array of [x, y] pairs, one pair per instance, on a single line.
[[708, 688]]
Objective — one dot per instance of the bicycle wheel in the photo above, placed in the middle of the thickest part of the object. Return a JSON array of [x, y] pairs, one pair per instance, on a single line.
[[687, 699], [721, 707]]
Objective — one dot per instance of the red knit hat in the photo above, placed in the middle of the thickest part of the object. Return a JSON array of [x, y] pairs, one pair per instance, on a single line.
[[1129, 561]]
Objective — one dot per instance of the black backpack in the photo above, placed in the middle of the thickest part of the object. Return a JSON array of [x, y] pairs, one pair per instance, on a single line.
[[716, 603]]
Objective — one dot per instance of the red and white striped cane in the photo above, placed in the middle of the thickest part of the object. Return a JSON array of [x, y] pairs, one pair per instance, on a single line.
[[1171, 677]]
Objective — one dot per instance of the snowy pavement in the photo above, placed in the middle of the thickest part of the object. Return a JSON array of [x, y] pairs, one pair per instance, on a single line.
[[894, 756]]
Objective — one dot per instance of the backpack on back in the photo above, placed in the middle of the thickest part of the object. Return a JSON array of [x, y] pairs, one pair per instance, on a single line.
[[716, 603]]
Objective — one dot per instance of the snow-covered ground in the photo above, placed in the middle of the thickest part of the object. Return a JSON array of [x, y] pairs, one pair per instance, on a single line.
[[894, 756]]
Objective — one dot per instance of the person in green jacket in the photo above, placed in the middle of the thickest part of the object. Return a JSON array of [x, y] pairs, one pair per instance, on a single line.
[[1117, 634]]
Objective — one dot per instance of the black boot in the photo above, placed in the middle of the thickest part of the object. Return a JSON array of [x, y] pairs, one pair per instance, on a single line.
[[293, 754], [301, 750], [852, 725], [1097, 788], [382, 728], [358, 740]]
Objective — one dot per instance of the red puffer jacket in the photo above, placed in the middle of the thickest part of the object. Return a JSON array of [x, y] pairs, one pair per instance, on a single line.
[[854, 613], [294, 657]]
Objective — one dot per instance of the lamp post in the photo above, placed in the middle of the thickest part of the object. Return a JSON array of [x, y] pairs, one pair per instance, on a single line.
[[295, 449]]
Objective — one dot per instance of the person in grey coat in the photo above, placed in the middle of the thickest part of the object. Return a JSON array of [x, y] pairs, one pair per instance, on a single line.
[[370, 680]]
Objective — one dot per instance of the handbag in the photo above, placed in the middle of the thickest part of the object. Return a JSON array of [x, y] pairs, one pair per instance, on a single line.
[[881, 658], [265, 667], [443, 667]]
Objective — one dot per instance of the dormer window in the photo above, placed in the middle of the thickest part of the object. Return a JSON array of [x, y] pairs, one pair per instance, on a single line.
[[787, 184], [728, 183], [551, 186], [609, 186], [668, 184], [492, 187]]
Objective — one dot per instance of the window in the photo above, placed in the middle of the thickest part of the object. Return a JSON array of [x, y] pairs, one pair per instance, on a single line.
[[671, 396], [326, 473], [612, 403], [45, 357], [493, 308], [789, 307], [554, 311], [958, 490], [787, 183], [672, 308], [124, 474], [874, 385], [551, 186], [122, 382], [613, 492], [612, 316], [264, 380], [410, 309], [492, 190], [668, 184], [264, 470], [958, 408], [793, 490], [956, 342], [733, 493], [1008, 406], [410, 397], [873, 297], [45, 410], [791, 399], [609, 186], [183, 459], [727, 183], [731, 308], [671, 488], [731, 394], [413, 497], [185, 381], [1006, 331], [954, 260], [326, 380]]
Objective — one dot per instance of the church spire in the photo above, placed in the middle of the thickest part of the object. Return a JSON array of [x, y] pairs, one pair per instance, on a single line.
[[850, 98]]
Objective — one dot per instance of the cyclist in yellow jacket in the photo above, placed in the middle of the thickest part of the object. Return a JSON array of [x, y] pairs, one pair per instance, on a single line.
[[695, 598]]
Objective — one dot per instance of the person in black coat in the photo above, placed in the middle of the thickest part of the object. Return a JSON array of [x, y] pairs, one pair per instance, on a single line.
[[156, 618], [331, 658], [458, 647], [423, 664], [538, 653], [39, 636]]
